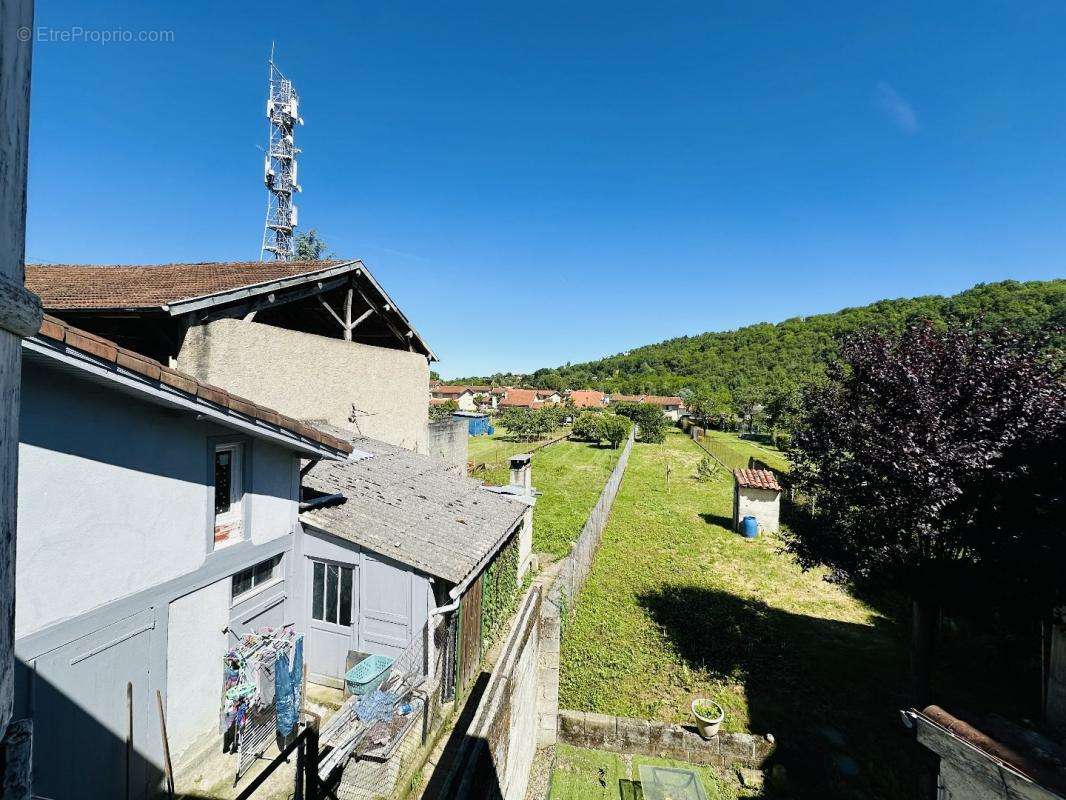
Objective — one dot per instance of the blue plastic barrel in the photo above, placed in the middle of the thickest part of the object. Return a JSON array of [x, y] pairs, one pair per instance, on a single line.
[[749, 527]]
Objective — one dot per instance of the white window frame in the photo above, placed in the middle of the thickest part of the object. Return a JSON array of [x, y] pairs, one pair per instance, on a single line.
[[277, 573], [326, 564], [236, 489]]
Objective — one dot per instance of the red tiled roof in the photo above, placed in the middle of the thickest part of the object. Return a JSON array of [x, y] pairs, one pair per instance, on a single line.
[[106, 350], [626, 398], [456, 390], [89, 286], [757, 479], [660, 400], [437, 401], [586, 398], [521, 397]]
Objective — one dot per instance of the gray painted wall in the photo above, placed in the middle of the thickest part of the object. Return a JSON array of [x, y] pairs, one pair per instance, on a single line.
[[195, 647], [114, 496], [449, 440], [116, 509], [393, 600], [378, 392]]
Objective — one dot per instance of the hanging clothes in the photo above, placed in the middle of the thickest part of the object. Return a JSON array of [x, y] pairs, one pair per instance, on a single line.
[[288, 675], [249, 674], [267, 669]]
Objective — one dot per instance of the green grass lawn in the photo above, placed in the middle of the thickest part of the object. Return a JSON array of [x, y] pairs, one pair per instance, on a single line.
[[570, 476], [598, 775], [765, 453], [678, 606], [496, 449]]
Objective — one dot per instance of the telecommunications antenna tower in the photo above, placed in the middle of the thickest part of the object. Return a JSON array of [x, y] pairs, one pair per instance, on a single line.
[[279, 167]]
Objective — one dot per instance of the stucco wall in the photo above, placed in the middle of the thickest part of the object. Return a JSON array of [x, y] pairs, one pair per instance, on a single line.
[[115, 496], [380, 393], [763, 504], [449, 440], [195, 648], [501, 742]]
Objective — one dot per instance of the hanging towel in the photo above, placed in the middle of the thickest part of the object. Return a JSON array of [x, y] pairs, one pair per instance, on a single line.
[[283, 695], [297, 674], [287, 679]]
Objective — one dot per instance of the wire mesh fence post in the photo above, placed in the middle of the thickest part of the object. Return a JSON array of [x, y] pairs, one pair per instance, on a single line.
[[311, 761]]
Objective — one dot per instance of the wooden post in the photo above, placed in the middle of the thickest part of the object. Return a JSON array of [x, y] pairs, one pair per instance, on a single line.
[[20, 311], [167, 765], [348, 315]]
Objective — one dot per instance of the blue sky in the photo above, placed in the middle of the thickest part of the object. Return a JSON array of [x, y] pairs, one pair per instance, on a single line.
[[552, 182]]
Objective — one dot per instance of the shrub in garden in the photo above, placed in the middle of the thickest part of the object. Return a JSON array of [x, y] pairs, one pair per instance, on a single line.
[[648, 417], [530, 424], [936, 458], [443, 411], [707, 469], [616, 429], [590, 427]]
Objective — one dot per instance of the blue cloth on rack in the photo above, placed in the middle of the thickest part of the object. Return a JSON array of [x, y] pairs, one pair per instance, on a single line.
[[297, 670], [287, 680], [377, 705]]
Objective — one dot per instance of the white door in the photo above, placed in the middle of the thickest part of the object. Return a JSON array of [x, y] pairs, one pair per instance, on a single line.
[[332, 596]]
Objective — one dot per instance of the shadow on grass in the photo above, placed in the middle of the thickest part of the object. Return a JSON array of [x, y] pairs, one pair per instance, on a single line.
[[717, 519], [829, 691]]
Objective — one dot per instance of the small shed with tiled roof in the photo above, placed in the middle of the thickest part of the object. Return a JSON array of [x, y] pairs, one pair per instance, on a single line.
[[757, 493]]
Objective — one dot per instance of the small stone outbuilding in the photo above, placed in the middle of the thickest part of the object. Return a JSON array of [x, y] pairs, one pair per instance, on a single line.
[[756, 493]]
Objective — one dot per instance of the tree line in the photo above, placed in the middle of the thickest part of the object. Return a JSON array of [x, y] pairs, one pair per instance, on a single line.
[[743, 367]]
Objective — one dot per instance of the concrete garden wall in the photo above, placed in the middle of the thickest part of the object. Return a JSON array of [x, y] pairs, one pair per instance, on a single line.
[[449, 441], [662, 740], [500, 744]]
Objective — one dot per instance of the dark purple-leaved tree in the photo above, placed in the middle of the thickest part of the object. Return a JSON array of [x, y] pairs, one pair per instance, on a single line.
[[933, 455]]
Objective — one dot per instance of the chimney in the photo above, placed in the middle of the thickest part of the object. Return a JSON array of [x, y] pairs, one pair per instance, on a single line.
[[522, 473]]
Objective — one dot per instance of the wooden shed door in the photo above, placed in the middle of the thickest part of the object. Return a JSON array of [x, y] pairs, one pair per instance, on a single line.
[[470, 636]]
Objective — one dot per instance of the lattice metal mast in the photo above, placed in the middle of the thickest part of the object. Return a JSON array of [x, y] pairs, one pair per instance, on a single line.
[[279, 167]]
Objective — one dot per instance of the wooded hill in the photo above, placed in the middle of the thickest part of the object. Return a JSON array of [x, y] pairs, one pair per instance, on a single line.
[[757, 358]]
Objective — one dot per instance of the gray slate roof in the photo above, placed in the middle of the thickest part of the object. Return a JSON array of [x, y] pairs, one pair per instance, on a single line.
[[409, 507]]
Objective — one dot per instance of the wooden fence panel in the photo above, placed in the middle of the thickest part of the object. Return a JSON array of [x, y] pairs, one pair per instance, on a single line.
[[470, 636]]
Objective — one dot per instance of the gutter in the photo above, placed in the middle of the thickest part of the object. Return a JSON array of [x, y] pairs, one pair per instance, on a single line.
[[998, 753], [172, 398], [442, 610], [324, 500]]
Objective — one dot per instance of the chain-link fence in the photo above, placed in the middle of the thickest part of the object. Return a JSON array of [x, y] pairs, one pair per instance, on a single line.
[[370, 745], [721, 452]]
